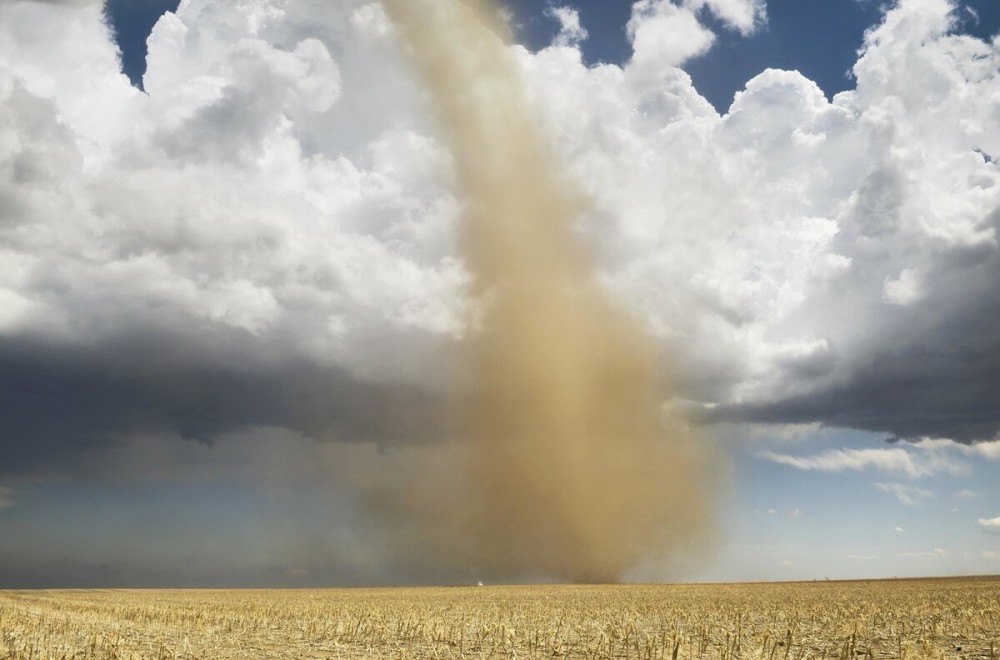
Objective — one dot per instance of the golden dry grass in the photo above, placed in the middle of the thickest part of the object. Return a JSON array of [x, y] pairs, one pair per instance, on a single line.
[[953, 618]]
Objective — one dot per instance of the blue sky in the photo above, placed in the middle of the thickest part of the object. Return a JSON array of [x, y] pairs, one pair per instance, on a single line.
[[800, 524], [820, 39], [231, 305]]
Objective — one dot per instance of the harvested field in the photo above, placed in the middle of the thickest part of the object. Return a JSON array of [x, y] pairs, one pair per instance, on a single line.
[[940, 618]]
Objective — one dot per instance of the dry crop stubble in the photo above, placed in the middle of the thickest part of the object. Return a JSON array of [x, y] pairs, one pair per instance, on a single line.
[[908, 619]]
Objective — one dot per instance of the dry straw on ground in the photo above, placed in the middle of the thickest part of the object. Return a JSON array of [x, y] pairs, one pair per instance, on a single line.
[[907, 619]]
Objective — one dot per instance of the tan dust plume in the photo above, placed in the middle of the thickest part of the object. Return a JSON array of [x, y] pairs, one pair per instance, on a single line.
[[572, 469]]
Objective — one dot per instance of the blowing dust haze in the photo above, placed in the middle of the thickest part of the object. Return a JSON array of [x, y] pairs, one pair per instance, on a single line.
[[572, 470]]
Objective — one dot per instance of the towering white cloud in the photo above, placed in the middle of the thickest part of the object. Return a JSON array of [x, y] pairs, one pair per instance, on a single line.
[[279, 197]]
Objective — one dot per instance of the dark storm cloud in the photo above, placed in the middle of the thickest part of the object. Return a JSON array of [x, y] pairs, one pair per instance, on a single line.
[[20, 569], [17, 573], [61, 402], [927, 369]]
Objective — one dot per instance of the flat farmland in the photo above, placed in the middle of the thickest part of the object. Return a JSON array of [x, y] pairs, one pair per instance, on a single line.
[[934, 618]]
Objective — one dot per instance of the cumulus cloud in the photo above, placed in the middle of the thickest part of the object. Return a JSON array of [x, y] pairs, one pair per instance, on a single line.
[[901, 308], [665, 35], [743, 15], [571, 33], [207, 258], [990, 524], [268, 238], [812, 310]]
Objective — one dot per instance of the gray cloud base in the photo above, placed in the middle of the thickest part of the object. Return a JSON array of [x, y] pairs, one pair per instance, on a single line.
[[64, 402]]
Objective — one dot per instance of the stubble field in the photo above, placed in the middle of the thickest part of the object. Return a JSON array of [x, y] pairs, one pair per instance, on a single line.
[[945, 618]]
